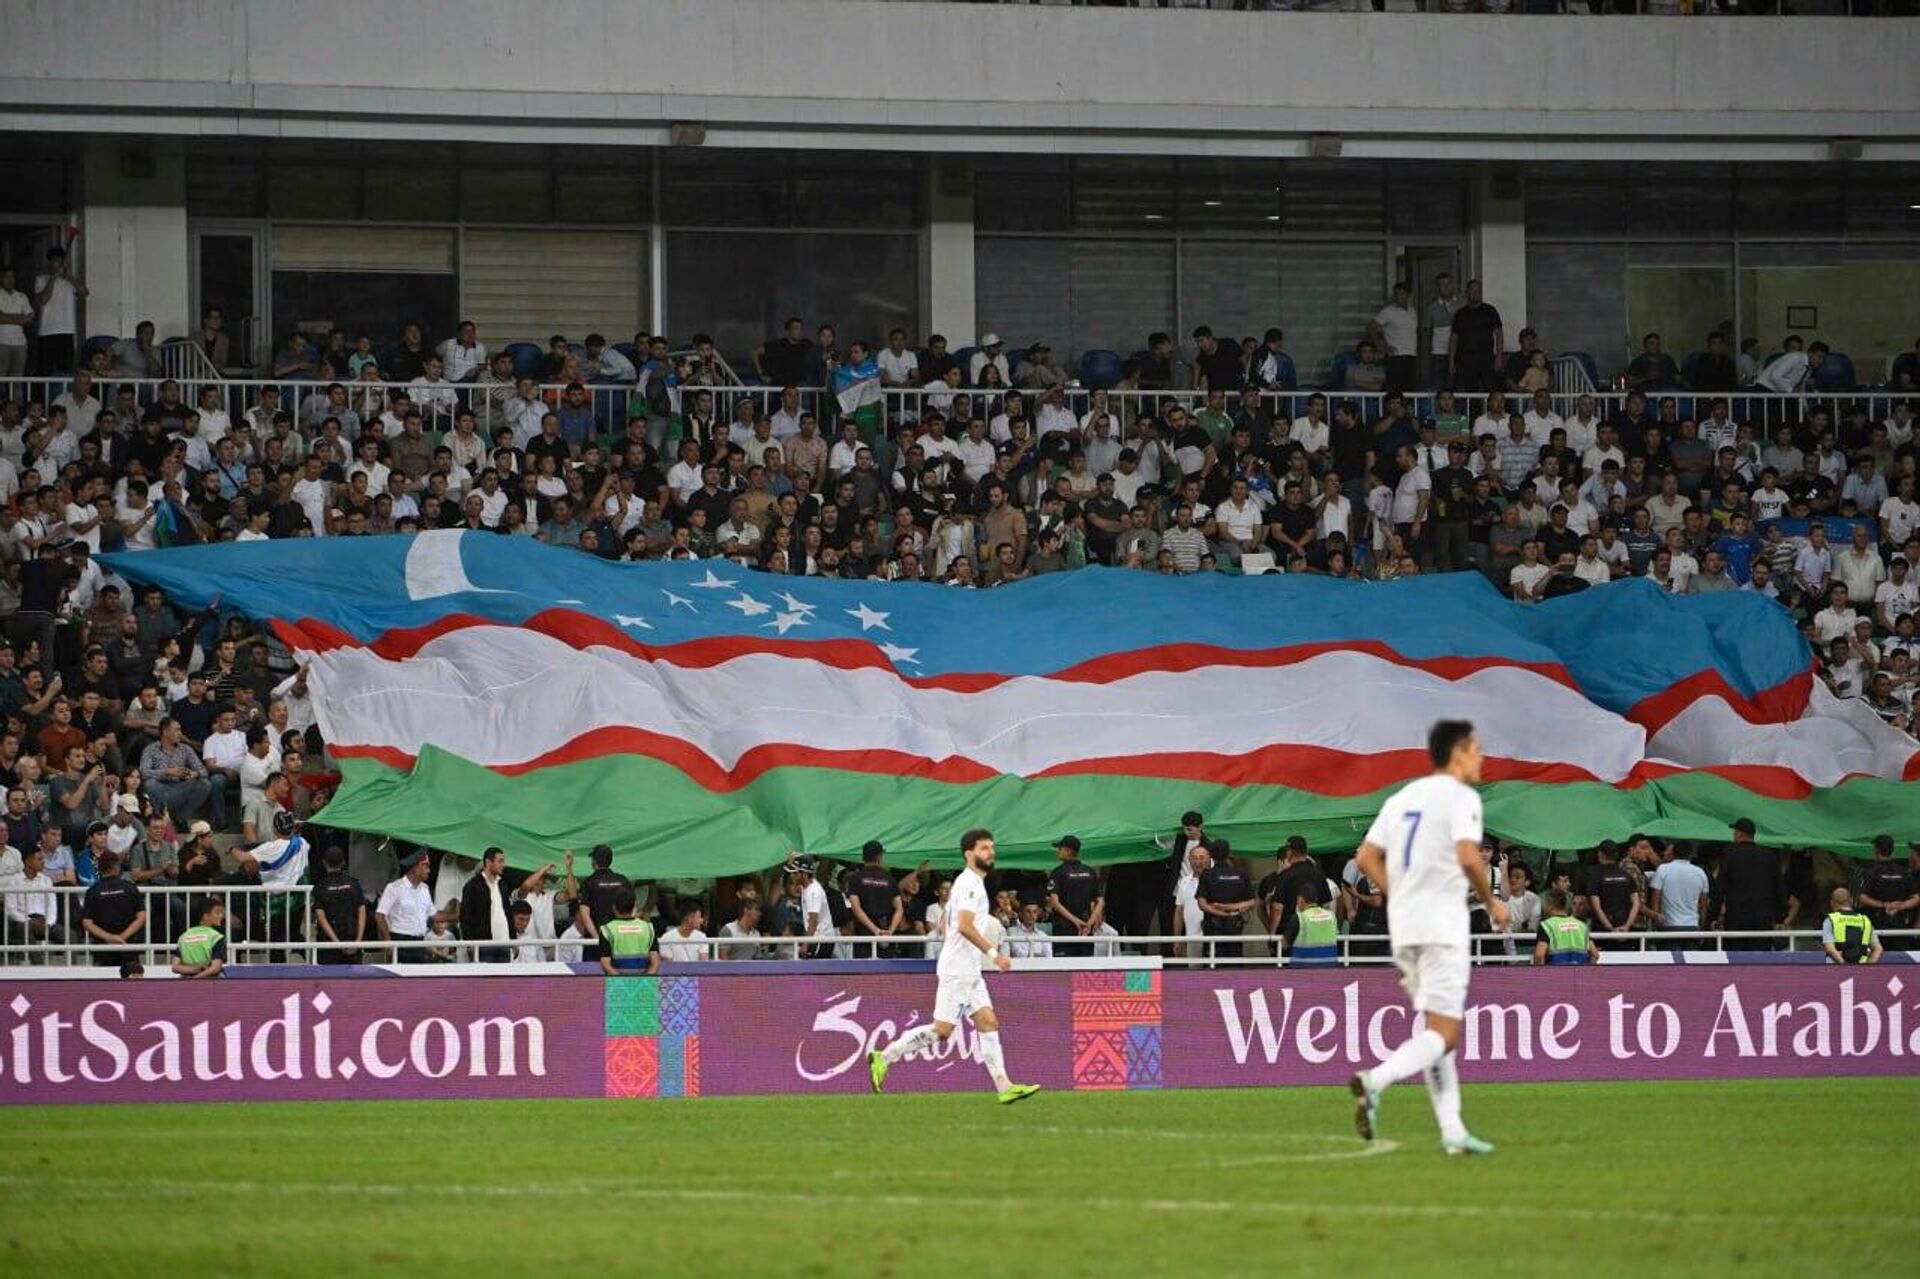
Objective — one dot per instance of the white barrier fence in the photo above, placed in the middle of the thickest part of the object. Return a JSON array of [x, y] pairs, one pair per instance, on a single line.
[[611, 405], [44, 928]]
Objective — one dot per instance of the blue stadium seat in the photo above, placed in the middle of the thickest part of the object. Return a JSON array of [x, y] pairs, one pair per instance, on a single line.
[[1836, 373], [1100, 370], [964, 356], [1016, 356], [386, 353], [526, 358], [626, 349], [1690, 365], [1337, 375], [98, 342]]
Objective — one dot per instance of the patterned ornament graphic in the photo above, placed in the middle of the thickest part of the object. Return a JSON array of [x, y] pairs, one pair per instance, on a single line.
[[652, 1027], [1116, 1030]]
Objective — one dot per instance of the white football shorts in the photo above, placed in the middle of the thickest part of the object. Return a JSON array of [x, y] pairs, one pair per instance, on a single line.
[[1435, 978], [960, 997]]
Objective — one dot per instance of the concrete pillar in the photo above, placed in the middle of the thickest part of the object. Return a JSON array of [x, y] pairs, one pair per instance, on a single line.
[[133, 227], [946, 254], [1498, 248]]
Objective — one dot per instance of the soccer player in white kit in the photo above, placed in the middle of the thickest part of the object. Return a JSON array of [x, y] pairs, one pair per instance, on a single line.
[[963, 989], [1424, 847]]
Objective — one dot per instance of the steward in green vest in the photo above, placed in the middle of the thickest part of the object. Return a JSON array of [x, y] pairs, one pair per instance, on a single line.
[[1846, 935], [1562, 939], [627, 943], [1316, 938], [203, 948]]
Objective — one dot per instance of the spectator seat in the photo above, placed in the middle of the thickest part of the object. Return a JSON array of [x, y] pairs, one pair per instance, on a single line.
[[526, 358], [1100, 370], [1836, 373]]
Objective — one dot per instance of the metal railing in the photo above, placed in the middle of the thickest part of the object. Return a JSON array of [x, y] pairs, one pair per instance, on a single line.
[[45, 926], [272, 925]]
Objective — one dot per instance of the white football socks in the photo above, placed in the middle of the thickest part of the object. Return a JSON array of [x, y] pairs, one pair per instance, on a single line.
[[1443, 1090], [1409, 1059], [991, 1058], [919, 1037]]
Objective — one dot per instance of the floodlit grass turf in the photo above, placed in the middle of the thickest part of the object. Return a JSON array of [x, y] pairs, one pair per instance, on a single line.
[[1787, 1177]]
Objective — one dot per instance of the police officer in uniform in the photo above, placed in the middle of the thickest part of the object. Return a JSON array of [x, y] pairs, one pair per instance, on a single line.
[[628, 946], [1225, 896], [203, 947], [1074, 900], [597, 892], [114, 912], [1563, 939], [1888, 896], [874, 902], [339, 908], [1846, 935]]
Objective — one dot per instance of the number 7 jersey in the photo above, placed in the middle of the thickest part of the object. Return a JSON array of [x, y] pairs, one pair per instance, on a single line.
[[1419, 827]]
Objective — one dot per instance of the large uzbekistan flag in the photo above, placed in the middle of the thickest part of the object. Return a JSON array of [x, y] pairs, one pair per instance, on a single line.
[[704, 719]]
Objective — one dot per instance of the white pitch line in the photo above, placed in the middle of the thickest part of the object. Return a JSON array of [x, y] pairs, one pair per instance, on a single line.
[[682, 1194]]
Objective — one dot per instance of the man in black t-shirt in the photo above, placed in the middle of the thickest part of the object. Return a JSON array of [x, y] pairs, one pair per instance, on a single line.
[[597, 892], [1296, 876], [1226, 898], [873, 899], [1888, 894], [1475, 342], [1612, 896], [1074, 900], [339, 907], [1216, 364], [113, 912]]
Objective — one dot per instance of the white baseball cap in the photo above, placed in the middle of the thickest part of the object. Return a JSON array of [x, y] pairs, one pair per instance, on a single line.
[[989, 339]]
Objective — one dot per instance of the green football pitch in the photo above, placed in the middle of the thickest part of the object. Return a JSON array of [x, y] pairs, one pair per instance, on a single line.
[[1785, 1177]]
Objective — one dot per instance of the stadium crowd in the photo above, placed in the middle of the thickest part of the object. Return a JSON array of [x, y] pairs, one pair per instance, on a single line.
[[165, 742]]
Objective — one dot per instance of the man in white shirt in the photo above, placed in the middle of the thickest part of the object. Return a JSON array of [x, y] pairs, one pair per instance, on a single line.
[[1424, 848], [989, 352], [433, 394], [1542, 421], [16, 312], [1787, 371], [1411, 493], [1897, 596], [976, 454], [1588, 566], [1837, 619], [1242, 521], [1605, 448], [1769, 501], [222, 752], [962, 991], [899, 364], [745, 929], [463, 354], [1401, 325], [58, 295], [1310, 430], [1583, 429], [816, 916], [1682, 564], [1859, 567], [1528, 578], [1026, 939], [1054, 417], [603, 363], [405, 910], [1680, 891], [685, 942], [1813, 563], [83, 406], [524, 411], [1899, 514], [1333, 510]]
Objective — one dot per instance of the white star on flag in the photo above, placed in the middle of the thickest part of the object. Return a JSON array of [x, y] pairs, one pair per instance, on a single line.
[[712, 583], [673, 600], [794, 605], [897, 654], [626, 620], [749, 606], [869, 618], [784, 622]]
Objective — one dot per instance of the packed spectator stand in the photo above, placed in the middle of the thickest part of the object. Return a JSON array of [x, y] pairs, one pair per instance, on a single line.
[[173, 748]]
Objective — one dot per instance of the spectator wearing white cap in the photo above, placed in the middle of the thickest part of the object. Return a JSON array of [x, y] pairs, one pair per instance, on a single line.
[[989, 353]]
